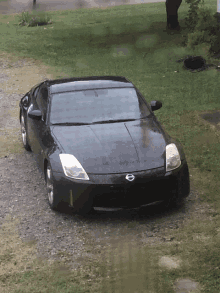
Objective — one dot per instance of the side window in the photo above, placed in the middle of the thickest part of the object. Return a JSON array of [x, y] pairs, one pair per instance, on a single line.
[[42, 97], [35, 92], [26, 100]]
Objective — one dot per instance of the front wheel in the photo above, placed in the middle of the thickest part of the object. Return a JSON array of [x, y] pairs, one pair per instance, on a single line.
[[24, 134], [52, 194]]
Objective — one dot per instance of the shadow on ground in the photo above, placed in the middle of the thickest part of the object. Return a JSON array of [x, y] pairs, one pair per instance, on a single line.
[[150, 212]]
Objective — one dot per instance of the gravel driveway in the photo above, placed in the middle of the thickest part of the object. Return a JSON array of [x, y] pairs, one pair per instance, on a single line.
[[23, 195]]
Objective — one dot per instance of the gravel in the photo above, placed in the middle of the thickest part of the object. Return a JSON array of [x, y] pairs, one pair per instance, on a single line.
[[23, 195]]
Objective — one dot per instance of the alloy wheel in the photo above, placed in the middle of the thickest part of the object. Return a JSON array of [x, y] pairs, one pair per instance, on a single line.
[[50, 191], [23, 131]]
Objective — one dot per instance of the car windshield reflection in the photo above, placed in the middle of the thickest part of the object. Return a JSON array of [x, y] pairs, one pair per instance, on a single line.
[[97, 106]]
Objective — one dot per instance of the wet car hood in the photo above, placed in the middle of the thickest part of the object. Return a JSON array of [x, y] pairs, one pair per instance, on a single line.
[[114, 147]]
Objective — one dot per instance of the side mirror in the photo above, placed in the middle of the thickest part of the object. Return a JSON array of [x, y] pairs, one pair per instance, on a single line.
[[25, 101], [35, 114], [155, 105]]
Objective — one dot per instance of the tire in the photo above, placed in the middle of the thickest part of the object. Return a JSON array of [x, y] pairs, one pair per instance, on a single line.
[[52, 194], [24, 134]]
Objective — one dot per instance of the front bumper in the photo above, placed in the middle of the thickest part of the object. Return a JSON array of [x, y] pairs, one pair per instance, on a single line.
[[113, 190]]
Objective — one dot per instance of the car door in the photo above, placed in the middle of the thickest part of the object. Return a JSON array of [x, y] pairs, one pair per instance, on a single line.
[[40, 130], [31, 122]]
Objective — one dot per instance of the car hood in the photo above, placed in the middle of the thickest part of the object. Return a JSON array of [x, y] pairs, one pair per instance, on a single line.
[[114, 147]]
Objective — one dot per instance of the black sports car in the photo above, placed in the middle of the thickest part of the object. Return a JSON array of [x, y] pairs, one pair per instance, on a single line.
[[99, 144]]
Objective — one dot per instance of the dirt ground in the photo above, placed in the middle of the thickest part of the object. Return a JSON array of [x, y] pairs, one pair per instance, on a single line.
[[27, 223]]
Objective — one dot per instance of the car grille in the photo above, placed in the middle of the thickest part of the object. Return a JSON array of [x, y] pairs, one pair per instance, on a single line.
[[132, 195], [117, 179]]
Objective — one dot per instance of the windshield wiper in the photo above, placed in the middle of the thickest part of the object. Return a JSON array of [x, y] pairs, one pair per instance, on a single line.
[[71, 123], [97, 122], [113, 121]]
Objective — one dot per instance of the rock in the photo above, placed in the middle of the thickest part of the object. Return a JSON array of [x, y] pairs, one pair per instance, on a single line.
[[186, 285]]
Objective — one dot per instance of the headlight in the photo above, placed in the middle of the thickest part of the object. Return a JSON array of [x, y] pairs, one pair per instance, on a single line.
[[72, 167], [172, 157]]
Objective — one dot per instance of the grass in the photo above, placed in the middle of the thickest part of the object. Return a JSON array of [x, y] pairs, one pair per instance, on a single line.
[[34, 19], [130, 41]]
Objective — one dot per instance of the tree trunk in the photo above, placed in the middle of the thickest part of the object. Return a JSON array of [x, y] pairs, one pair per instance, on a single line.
[[172, 7]]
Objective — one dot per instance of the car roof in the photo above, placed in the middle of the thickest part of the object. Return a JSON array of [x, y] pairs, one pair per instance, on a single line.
[[85, 83]]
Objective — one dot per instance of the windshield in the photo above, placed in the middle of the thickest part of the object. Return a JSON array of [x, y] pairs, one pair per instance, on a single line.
[[92, 106]]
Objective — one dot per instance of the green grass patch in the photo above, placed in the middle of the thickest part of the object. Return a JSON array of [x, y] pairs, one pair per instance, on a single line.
[[45, 280], [131, 41], [34, 19]]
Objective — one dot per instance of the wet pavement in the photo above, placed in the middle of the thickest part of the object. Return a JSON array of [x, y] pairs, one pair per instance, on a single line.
[[18, 6]]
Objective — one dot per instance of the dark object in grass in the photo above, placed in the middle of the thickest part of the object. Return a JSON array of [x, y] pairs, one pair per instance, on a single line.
[[41, 23], [195, 63], [32, 23]]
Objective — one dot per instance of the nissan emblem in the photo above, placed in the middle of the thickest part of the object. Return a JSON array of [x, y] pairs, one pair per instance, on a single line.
[[130, 177]]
